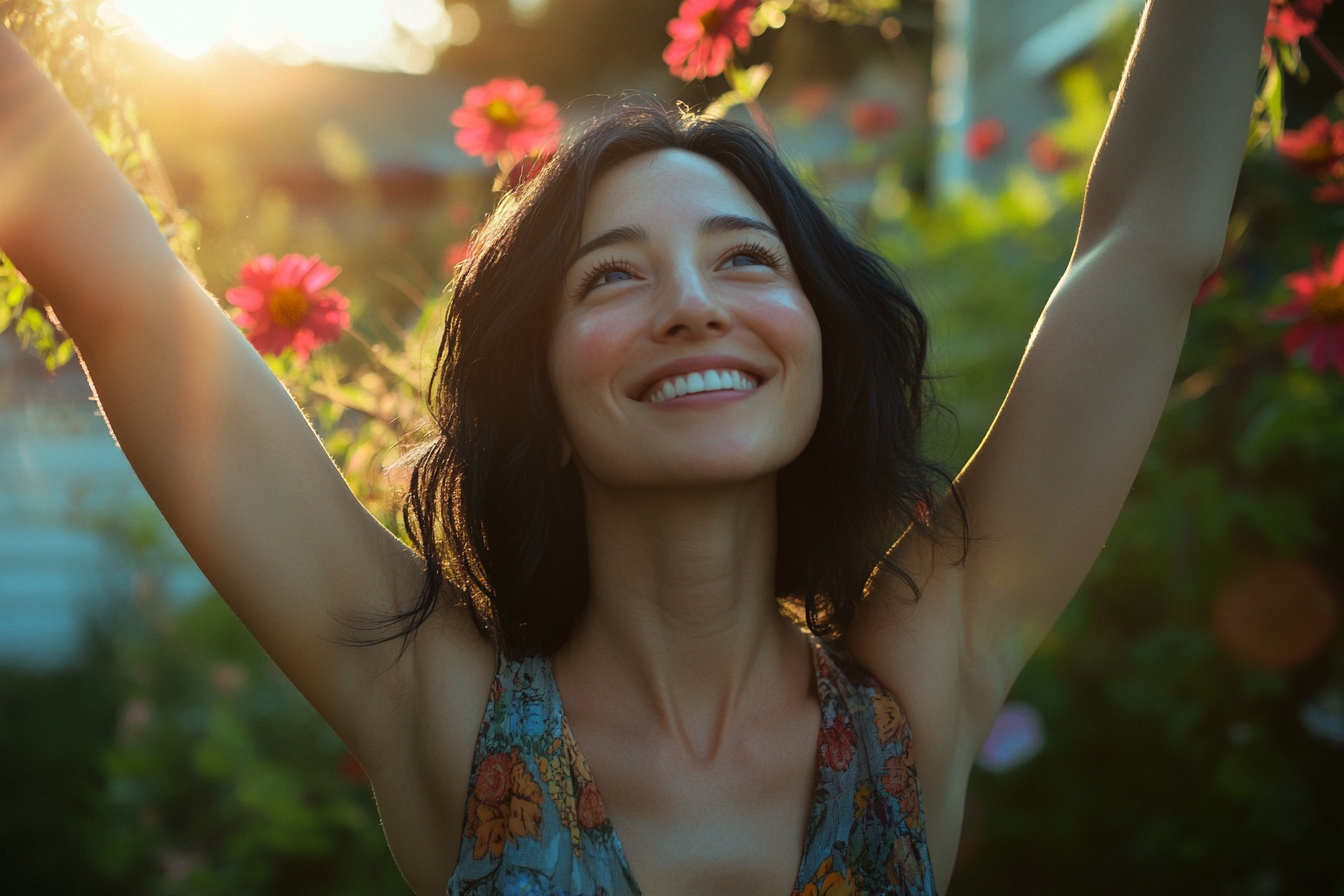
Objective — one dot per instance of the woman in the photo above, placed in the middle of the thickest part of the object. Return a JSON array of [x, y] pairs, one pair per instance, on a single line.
[[697, 704]]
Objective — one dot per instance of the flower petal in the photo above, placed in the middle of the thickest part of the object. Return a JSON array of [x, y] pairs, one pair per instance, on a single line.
[[246, 297], [320, 275]]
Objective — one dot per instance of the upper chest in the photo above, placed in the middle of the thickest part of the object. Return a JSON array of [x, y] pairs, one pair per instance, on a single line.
[[724, 817]]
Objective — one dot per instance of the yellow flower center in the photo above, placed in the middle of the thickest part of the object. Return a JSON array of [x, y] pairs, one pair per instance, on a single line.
[[289, 306], [501, 112], [1327, 305], [711, 19]]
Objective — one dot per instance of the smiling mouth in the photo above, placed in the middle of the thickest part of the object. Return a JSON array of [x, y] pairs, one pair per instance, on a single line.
[[700, 381]]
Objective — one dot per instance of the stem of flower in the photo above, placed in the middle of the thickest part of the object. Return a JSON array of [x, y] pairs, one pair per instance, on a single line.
[[1325, 54]]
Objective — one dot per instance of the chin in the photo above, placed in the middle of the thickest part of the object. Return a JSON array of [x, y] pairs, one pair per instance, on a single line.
[[696, 467]]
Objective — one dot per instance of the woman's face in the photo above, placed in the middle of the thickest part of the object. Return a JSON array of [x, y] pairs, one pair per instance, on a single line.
[[684, 351]]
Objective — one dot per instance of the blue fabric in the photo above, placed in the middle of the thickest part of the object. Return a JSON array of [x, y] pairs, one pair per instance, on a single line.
[[535, 823]]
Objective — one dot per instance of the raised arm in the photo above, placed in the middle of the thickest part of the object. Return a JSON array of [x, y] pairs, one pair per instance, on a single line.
[[214, 437], [1047, 483]]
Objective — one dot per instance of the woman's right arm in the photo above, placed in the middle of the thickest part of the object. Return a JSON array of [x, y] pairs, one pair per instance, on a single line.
[[218, 443]]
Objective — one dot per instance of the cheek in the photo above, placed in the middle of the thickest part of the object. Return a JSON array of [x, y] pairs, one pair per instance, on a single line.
[[586, 354], [790, 326]]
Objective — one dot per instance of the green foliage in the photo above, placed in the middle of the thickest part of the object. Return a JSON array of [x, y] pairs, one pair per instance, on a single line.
[[191, 765], [1170, 765], [183, 762]]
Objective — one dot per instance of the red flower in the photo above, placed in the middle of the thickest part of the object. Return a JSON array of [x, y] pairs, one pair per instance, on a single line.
[[1214, 285], [1316, 311], [1047, 156], [505, 115], [453, 256], [1332, 192], [286, 303], [1291, 21], [703, 35], [592, 814], [1317, 147], [492, 778], [984, 138], [811, 99], [874, 119], [837, 745]]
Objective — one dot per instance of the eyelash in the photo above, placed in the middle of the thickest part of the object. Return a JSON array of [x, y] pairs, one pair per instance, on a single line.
[[770, 257]]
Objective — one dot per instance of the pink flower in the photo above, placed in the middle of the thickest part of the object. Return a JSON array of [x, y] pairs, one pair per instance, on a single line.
[[1316, 311], [984, 138], [505, 115], [704, 33], [1316, 148], [874, 119], [286, 303]]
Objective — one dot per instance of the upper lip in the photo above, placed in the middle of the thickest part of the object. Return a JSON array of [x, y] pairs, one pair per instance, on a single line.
[[693, 364]]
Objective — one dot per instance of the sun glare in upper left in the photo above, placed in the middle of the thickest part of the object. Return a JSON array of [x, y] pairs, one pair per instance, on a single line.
[[185, 28], [396, 35]]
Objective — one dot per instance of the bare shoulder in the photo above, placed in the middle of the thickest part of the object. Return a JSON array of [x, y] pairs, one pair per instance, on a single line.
[[915, 644], [420, 742]]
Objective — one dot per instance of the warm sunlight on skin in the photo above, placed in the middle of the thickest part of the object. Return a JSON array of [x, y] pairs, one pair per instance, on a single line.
[[386, 34], [686, 282]]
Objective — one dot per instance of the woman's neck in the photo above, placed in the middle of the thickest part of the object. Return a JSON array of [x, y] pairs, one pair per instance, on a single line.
[[682, 606]]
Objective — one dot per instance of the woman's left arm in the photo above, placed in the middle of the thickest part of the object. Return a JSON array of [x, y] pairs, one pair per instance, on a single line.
[[1047, 483]]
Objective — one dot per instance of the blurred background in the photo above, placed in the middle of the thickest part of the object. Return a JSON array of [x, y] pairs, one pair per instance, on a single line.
[[1181, 729]]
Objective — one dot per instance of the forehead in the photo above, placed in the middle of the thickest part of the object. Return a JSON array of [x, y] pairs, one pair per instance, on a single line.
[[665, 187]]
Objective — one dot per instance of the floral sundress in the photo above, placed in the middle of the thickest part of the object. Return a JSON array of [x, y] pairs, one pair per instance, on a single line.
[[535, 824]]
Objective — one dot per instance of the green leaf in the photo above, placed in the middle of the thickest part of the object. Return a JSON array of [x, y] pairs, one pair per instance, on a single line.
[[748, 82]]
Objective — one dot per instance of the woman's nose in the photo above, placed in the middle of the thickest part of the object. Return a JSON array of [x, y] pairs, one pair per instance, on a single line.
[[688, 309]]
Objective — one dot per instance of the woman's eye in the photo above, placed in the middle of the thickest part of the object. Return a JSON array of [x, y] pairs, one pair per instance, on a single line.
[[612, 277], [743, 258]]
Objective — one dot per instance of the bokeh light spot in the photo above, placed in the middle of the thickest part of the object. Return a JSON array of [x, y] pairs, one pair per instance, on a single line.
[[1018, 735], [1275, 615]]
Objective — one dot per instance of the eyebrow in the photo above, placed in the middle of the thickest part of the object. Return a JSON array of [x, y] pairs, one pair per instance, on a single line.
[[712, 225]]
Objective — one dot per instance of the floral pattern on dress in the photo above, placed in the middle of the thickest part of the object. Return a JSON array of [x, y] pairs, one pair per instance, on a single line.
[[535, 822]]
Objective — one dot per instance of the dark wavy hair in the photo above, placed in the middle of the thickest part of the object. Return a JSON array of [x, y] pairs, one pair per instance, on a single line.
[[498, 520]]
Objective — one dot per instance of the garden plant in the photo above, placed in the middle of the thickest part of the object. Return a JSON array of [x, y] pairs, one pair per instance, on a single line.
[[1180, 730]]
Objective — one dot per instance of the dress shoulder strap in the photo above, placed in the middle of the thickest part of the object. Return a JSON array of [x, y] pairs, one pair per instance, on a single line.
[[866, 829], [534, 821]]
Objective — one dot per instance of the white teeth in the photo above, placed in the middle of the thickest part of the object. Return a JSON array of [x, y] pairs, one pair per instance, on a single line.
[[701, 381]]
